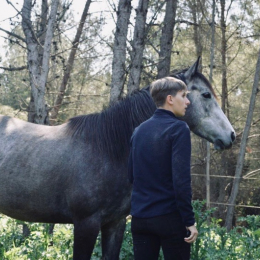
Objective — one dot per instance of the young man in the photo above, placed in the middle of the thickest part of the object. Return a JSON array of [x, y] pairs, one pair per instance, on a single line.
[[159, 168]]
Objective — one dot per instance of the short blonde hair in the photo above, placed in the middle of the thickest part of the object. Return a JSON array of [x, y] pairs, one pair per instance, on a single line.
[[163, 87]]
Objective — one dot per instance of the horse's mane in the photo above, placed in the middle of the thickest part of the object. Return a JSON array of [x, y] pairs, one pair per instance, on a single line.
[[110, 131], [180, 75]]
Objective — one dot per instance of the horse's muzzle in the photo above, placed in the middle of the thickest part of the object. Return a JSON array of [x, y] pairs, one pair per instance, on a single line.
[[220, 145]]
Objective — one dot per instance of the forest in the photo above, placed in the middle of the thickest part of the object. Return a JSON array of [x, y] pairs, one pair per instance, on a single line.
[[58, 62]]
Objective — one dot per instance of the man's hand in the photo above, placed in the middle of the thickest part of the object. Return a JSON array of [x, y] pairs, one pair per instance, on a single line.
[[193, 234]]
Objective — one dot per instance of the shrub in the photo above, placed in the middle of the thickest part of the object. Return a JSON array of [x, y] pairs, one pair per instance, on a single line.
[[213, 243]]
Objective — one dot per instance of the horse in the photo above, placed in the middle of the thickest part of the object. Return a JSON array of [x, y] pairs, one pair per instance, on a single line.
[[77, 172]]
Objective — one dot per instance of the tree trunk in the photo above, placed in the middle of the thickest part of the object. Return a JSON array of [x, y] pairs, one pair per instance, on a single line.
[[69, 66], [38, 70], [119, 50], [196, 9], [42, 29], [38, 53], [166, 39], [223, 57], [212, 55], [138, 46], [241, 155], [212, 47], [32, 55], [222, 182]]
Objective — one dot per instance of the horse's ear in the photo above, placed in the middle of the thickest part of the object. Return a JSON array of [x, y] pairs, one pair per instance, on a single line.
[[199, 61], [196, 67]]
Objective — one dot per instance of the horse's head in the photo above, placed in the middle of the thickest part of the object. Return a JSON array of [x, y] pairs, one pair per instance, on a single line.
[[204, 116]]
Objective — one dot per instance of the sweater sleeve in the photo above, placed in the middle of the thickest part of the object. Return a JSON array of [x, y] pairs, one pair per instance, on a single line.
[[181, 159]]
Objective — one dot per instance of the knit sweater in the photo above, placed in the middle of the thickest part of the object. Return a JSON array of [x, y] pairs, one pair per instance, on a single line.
[[159, 168]]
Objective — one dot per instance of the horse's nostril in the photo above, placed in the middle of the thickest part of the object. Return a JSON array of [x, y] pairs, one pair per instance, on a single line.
[[233, 136]]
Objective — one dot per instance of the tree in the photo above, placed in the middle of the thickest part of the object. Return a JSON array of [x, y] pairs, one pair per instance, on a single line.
[[166, 39], [69, 65], [38, 68], [198, 13], [138, 45], [224, 96], [119, 50], [212, 54], [241, 155], [15, 83]]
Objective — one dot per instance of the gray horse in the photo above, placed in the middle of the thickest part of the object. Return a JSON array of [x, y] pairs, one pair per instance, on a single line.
[[77, 172]]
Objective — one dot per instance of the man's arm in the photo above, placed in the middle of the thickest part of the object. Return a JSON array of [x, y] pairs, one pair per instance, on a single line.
[[181, 158]]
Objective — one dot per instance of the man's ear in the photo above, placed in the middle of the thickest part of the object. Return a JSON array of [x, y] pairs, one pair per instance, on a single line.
[[169, 100]]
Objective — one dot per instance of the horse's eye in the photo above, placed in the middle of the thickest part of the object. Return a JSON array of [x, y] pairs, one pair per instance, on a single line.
[[206, 95]]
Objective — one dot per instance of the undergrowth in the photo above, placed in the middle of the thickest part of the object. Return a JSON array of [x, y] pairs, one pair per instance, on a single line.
[[213, 243]]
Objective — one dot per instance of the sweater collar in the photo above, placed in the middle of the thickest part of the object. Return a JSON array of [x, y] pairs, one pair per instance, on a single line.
[[163, 112]]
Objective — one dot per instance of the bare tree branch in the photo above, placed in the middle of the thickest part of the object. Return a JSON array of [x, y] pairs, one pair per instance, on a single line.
[[26, 20], [14, 68], [13, 34], [10, 3], [187, 22], [15, 41]]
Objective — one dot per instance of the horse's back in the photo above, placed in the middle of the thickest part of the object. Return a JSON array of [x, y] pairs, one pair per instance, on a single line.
[[10, 125]]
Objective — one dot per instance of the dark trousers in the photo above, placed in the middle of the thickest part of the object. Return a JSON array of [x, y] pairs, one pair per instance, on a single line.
[[166, 231]]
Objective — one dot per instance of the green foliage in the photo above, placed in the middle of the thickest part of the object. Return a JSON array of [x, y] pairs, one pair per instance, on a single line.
[[38, 245], [214, 242], [201, 216], [127, 245]]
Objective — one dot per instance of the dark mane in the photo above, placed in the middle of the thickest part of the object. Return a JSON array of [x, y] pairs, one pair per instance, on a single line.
[[180, 75], [110, 131]]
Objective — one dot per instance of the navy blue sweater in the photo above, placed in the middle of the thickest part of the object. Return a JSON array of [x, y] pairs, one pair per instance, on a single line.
[[159, 168]]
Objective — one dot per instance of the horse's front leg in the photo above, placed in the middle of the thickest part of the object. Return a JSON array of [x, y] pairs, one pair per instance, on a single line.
[[112, 237], [85, 235]]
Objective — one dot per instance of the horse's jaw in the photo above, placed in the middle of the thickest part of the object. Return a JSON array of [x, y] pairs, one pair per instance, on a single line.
[[212, 126], [222, 140]]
